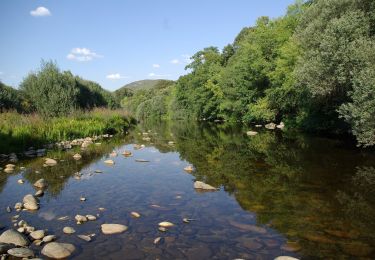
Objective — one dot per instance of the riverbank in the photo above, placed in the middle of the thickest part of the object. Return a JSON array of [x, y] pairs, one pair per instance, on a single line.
[[18, 131]]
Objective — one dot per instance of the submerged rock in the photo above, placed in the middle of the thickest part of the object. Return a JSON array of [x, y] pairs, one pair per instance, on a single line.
[[58, 250], [109, 229], [189, 168], [357, 249], [41, 184], [203, 186], [21, 252], [69, 230], [13, 237], [84, 237]]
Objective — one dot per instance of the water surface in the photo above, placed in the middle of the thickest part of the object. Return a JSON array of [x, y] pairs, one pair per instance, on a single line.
[[279, 194]]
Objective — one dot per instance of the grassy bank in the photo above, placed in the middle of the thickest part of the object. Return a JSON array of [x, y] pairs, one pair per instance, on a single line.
[[18, 132]]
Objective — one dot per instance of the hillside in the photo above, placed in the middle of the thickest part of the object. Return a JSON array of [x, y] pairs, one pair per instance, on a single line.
[[141, 84]]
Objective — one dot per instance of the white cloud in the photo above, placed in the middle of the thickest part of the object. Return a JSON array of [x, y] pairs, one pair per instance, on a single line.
[[175, 61], [40, 11], [115, 76], [156, 66], [82, 54], [154, 75]]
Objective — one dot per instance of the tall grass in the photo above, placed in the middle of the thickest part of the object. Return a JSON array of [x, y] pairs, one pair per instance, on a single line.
[[18, 131]]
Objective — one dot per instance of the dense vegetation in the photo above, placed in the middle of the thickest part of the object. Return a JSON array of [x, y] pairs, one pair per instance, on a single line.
[[313, 68], [51, 92]]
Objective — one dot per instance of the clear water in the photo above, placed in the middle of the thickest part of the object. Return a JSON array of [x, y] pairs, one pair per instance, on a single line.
[[280, 194]]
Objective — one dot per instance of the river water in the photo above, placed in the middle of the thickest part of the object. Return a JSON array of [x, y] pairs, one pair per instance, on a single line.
[[278, 194]]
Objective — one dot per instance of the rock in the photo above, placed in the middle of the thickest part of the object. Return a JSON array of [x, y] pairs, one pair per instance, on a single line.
[[286, 258], [5, 247], [258, 126], [203, 186], [49, 238], [9, 209], [281, 125], [21, 252], [69, 230], [20, 181], [291, 247], [357, 249], [77, 156], [41, 184], [166, 224], [9, 170], [270, 126], [135, 214], [22, 223], [10, 166], [127, 153], [109, 229], [82, 199], [63, 218], [38, 242], [91, 217], [84, 237], [251, 133], [30, 202], [18, 205], [29, 229], [248, 227], [58, 250], [81, 218], [50, 162], [189, 168], [157, 240], [113, 154], [141, 160], [13, 237], [163, 229], [38, 234], [39, 193], [111, 162]]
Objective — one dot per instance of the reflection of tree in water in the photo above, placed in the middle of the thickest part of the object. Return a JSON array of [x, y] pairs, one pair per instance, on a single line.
[[289, 180], [359, 202], [57, 176]]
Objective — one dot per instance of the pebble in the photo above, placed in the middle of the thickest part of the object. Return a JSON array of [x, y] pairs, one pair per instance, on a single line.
[[41, 184], [50, 162], [91, 217], [9, 209], [157, 240], [135, 214], [39, 193], [109, 162], [20, 181], [113, 228], [80, 218], [37, 235], [166, 224]]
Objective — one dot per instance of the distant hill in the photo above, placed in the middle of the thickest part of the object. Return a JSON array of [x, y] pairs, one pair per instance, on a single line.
[[130, 88]]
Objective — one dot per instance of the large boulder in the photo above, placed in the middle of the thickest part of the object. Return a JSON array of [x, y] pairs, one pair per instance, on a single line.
[[13, 237], [58, 250], [109, 229]]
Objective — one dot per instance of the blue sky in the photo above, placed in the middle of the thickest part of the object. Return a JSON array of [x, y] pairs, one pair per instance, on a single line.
[[115, 42]]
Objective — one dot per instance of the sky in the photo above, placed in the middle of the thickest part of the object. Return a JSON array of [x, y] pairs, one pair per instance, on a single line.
[[115, 42]]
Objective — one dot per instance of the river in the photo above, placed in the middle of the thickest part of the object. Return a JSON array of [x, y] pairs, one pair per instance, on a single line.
[[278, 194]]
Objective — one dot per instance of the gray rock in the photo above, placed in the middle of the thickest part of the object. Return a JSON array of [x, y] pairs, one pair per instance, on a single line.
[[58, 250], [41, 184], [38, 234], [13, 237], [109, 229], [21, 252], [30, 202]]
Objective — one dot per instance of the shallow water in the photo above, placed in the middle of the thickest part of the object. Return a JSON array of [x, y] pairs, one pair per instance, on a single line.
[[280, 194]]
